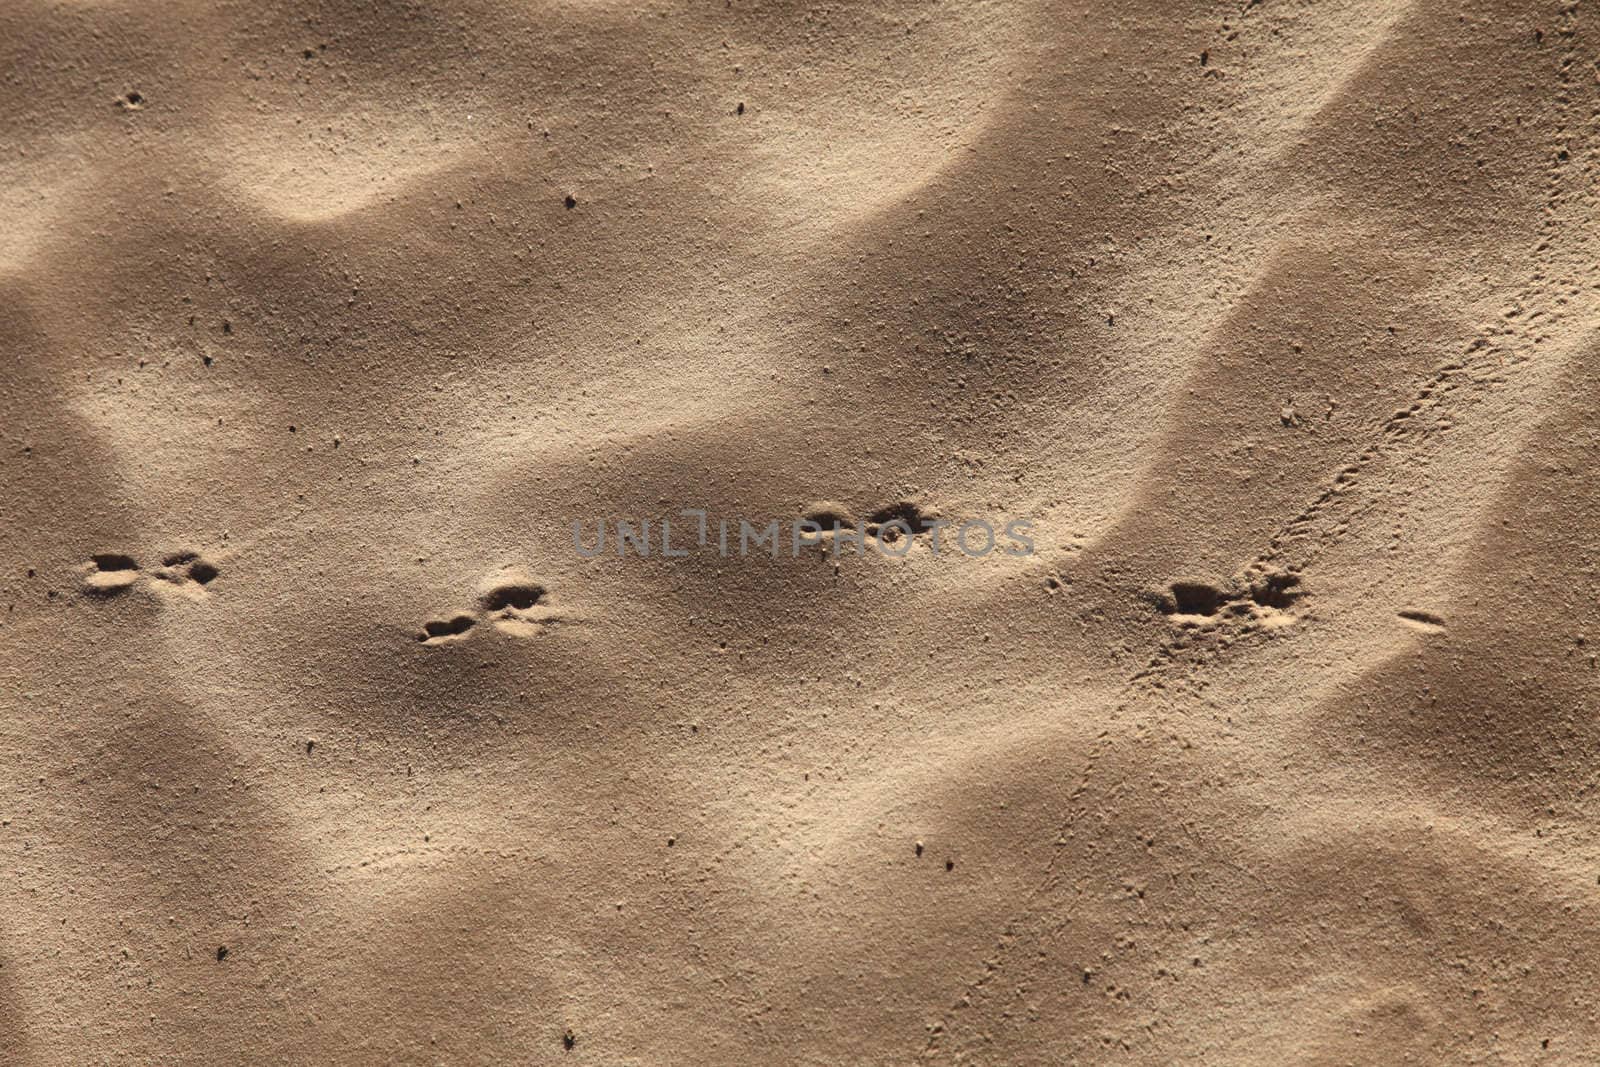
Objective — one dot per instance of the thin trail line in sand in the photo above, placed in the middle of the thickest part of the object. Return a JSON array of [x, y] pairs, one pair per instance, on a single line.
[[1482, 366]]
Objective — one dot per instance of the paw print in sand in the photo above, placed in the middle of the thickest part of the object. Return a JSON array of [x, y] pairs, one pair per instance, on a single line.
[[509, 601], [109, 574]]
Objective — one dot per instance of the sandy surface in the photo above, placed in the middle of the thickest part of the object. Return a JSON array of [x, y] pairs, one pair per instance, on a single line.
[[321, 322]]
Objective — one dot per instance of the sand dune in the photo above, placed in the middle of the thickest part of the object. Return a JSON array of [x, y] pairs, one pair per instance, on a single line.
[[323, 323]]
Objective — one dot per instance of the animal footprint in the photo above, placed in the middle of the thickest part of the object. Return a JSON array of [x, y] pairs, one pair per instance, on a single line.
[[1266, 598], [886, 524], [183, 567], [512, 597], [109, 574], [438, 630], [512, 602]]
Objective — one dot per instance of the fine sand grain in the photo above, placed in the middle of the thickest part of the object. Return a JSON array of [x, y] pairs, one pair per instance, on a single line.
[[321, 321]]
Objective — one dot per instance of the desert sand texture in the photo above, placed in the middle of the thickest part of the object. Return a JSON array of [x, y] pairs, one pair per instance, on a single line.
[[321, 322]]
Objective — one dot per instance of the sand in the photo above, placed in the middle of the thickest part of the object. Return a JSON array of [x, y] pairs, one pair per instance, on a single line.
[[322, 322]]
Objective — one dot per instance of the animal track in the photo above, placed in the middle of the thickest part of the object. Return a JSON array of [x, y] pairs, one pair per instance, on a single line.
[[1276, 589], [1264, 596], [829, 515], [903, 515], [187, 566], [1192, 598], [515, 595], [108, 574], [917, 520], [1407, 438], [444, 629], [514, 605]]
